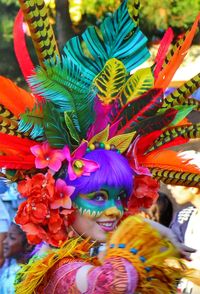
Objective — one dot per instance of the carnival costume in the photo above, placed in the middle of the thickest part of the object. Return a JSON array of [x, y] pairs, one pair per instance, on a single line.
[[90, 124]]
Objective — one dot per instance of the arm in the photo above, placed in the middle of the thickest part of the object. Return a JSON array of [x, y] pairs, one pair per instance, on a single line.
[[134, 261], [116, 275]]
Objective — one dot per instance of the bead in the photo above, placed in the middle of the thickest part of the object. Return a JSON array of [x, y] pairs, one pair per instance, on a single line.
[[147, 269], [88, 150], [133, 250], [142, 258], [121, 246], [112, 245], [102, 145], [91, 146], [97, 145], [107, 146], [112, 147]]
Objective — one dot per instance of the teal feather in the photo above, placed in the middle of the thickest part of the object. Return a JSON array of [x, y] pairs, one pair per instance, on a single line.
[[69, 90], [32, 122], [119, 38]]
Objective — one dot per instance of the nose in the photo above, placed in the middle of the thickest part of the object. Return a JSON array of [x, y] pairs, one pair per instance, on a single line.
[[113, 211]]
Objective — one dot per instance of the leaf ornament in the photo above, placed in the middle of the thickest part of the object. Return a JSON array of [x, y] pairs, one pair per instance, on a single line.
[[36, 16], [118, 38], [156, 122], [168, 71], [140, 82], [54, 128], [181, 94], [110, 80], [71, 128], [101, 136], [122, 142], [137, 110]]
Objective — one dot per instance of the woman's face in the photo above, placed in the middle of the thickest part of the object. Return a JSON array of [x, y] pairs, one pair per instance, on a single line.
[[13, 243], [99, 212]]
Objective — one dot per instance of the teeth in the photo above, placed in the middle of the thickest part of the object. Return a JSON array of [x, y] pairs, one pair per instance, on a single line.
[[107, 224], [81, 210]]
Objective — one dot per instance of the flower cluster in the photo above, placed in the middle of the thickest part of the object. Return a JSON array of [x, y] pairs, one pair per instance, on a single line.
[[53, 158], [145, 193], [47, 210]]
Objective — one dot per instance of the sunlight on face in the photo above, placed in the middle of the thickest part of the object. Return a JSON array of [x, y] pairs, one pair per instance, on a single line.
[[98, 213]]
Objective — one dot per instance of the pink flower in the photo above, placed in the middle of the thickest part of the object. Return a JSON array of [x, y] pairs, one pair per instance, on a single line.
[[47, 157], [62, 195], [78, 165]]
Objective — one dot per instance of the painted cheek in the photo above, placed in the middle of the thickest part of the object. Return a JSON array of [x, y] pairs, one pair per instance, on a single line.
[[89, 208]]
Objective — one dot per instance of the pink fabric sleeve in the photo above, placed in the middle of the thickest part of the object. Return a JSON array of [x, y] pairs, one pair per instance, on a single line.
[[116, 275]]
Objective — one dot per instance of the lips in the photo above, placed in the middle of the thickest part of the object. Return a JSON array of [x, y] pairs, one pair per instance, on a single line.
[[107, 226]]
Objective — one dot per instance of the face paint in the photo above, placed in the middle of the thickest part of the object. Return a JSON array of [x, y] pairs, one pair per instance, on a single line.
[[96, 203]]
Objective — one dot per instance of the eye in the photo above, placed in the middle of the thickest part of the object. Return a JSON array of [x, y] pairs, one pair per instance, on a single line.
[[99, 197], [121, 196]]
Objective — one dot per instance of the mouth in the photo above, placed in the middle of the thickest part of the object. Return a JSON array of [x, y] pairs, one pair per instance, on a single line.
[[107, 226]]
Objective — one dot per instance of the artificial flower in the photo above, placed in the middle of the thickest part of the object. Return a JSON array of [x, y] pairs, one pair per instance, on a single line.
[[77, 165], [145, 193], [47, 157], [62, 195]]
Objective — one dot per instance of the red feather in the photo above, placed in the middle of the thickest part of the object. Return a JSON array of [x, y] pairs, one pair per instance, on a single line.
[[20, 48], [162, 51], [17, 161], [10, 145]]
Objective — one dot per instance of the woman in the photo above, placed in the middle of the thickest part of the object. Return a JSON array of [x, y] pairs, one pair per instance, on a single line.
[[86, 151]]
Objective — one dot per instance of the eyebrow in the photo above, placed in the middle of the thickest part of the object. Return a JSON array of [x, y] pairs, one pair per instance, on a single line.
[[90, 195]]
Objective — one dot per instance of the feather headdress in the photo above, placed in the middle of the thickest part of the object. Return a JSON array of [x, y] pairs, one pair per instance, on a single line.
[[85, 97]]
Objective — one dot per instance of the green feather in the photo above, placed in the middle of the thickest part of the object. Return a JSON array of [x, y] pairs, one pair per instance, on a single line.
[[72, 130]]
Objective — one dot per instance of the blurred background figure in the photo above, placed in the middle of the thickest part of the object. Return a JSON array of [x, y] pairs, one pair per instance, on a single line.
[[4, 225], [15, 251], [186, 225], [161, 211]]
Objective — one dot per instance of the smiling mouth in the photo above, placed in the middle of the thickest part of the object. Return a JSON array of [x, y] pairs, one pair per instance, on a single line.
[[107, 226]]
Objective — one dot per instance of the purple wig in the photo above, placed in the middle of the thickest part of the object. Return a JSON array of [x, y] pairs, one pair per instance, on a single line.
[[114, 171]]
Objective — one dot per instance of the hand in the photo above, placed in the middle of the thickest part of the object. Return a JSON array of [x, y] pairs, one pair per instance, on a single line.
[[184, 250]]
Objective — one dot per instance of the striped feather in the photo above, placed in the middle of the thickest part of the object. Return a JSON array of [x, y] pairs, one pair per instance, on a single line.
[[25, 162], [110, 80], [180, 95], [133, 9], [36, 16], [168, 160], [169, 70], [176, 178], [193, 102], [186, 131]]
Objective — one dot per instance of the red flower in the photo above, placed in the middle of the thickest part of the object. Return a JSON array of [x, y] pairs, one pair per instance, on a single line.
[[145, 193], [38, 216]]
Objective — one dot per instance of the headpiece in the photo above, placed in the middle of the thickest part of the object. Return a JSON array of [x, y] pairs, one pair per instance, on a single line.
[[84, 99]]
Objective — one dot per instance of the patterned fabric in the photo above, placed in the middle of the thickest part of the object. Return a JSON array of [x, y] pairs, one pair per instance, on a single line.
[[7, 276], [114, 276]]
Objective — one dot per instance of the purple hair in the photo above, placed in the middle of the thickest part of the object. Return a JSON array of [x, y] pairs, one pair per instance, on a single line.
[[114, 171]]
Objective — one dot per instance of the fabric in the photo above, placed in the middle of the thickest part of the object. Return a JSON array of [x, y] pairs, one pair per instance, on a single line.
[[4, 218], [7, 276], [114, 276]]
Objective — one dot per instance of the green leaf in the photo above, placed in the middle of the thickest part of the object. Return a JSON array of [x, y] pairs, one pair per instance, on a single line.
[[55, 131], [72, 130]]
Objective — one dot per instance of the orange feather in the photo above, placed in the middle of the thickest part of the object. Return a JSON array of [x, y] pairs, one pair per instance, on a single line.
[[167, 73], [169, 160], [14, 98]]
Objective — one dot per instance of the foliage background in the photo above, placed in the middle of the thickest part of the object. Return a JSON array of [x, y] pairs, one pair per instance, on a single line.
[[155, 16]]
